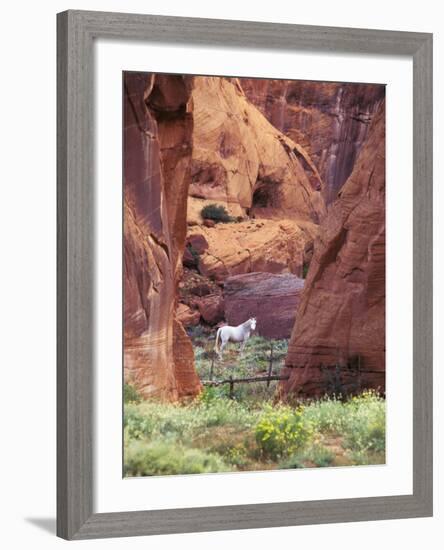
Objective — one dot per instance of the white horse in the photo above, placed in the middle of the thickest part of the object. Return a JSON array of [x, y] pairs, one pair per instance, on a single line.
[[241, 333]]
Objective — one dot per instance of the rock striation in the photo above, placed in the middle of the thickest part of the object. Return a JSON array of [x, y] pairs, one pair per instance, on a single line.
[[158, 126], [273, 246], [272, 299], [329, 121], [187, 316], [338, 341]]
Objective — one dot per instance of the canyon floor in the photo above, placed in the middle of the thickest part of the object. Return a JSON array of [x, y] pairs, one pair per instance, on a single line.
[[248, 430]]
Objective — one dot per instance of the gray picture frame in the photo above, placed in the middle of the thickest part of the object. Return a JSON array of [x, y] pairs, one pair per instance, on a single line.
[[76, 32]]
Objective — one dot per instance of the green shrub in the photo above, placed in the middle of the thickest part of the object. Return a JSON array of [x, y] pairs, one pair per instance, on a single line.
[[236, 456], [364, 426], [225, 412], [212, 393], [281, 431], [320, 456], [130, 394], [327, 415], [360, 420], [359, 458], [164, 457], [316, 454], [136, 424], [149, 419], [216, 212], [154, 419], [292, 462]]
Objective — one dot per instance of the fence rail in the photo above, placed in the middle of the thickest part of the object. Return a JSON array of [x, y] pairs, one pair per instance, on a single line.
[[232, 381]]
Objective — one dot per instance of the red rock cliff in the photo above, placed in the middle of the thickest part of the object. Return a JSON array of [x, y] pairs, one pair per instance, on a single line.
[[329, 120], [338, 341], [272, 299], [242, 161], [158, 125]]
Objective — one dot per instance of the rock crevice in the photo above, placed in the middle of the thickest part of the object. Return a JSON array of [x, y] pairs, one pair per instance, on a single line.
[[328, 120]]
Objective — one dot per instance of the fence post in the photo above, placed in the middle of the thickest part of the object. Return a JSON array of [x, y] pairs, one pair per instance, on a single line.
[[270, 366], [212, 366], [231, 387]]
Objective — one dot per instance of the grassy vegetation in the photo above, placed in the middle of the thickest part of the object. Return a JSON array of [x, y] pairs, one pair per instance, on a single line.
[[360, 420], [314, 455], [253, 361], [168, 457], [130, 394], [217, 434], [252, 431]]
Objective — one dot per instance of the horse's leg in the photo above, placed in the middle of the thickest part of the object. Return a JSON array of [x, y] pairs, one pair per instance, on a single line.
[[222, 345], [242, 346]]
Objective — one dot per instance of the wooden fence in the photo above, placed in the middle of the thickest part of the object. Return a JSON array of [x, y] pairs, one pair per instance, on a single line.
[[232, 381], [247, 380], [333, 376]]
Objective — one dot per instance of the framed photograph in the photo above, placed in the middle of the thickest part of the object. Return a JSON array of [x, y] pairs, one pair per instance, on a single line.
[[244, 298]]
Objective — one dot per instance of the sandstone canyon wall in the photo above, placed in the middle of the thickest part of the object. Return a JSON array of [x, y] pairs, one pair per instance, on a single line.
[[272, 299], [272, 246], [242, 161], [158, 126], [270, 187], [329, 120], [338, 341], [273, 153]]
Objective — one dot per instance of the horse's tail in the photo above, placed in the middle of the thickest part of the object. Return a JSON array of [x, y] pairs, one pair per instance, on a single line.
[[217, 339]]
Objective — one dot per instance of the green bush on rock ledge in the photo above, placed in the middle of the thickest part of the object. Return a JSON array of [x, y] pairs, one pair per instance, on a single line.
[[216, 212]]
